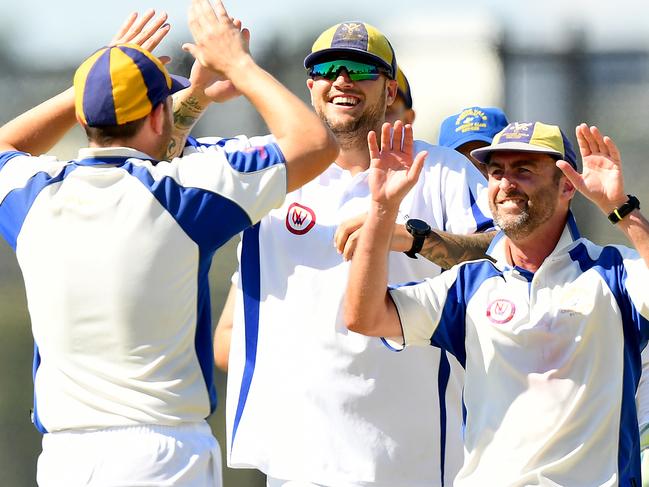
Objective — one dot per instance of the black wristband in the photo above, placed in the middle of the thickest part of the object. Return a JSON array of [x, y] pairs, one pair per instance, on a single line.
[[618, 213]]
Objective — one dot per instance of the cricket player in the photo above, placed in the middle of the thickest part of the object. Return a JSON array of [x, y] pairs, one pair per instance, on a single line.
[[309, 403], [549, 332], [115, 248]]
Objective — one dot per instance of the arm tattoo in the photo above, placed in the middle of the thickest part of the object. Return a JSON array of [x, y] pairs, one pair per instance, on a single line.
[[447, 249], [186, 114]]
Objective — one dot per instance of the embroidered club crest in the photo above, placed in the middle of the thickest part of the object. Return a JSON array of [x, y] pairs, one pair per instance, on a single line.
[[299, 219]]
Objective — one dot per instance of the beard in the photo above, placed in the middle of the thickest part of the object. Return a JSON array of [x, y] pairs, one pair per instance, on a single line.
[[351, 133], [520, 225]]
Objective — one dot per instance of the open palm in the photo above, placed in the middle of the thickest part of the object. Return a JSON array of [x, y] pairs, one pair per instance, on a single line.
[[394, 169], [601, 179]]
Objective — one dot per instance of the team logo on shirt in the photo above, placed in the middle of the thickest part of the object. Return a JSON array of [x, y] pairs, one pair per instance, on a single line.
[[501, 311], [299, 219]]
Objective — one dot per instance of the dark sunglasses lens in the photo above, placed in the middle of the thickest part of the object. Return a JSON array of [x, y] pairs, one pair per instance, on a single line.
[[355, 70]]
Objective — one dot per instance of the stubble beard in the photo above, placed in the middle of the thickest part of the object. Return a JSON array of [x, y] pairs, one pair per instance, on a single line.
[[520, 226], [353, 133]]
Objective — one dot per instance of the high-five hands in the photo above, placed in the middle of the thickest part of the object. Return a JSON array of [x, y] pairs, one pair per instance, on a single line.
[[220, 43]]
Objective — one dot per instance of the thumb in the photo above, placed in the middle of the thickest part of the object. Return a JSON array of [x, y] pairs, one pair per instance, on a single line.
[[417, 165], [571, 174]]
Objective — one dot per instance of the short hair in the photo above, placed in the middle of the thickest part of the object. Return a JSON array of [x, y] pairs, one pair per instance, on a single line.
[[104, 135]]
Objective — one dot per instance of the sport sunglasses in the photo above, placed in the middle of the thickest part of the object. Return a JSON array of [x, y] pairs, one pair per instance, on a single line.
[[356, 71]]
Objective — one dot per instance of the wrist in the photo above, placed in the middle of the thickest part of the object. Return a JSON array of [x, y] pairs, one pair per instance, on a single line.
[[623, 208]]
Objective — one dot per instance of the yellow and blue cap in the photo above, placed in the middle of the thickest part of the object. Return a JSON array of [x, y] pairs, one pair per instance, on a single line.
[[356, 41], [120, 84], [530, 137], [471, 124], [403, 88]]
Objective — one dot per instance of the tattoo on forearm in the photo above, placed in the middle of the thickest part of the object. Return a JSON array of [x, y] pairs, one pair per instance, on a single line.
[[186, 113], [446, 249]]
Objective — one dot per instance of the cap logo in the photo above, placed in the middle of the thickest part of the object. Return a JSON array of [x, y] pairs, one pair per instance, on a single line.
[[351, 32], [470, 120], [517, 131]]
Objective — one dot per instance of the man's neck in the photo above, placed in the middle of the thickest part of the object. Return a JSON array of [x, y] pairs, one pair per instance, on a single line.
[[354, 153], [531, 251]]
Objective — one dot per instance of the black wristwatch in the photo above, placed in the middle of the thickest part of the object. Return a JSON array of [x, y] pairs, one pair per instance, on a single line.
[[618, 213], [419, 230]]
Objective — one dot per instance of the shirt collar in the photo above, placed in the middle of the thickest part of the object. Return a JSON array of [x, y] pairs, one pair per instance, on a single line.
[[102, 155], [570, 234]]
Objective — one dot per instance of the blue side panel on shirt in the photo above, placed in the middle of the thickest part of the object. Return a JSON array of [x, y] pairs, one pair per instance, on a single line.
[[208, 218], [610, 267], [35, 419], [16, 205], [443, 374], [451, 333], [203, 343], [251, 159], [482, 222], [251, 287], [255, 158]]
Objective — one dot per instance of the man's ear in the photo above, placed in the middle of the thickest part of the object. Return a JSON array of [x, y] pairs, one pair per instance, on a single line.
[[568, 189], [391, 87], [156, 119]]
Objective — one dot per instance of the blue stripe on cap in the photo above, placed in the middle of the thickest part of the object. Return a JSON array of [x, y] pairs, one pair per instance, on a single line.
[[98, 104], [154, 79], [351, 34]]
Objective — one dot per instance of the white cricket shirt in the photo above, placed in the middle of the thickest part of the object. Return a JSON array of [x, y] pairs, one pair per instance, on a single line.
[[308, 400], [552, 361], [115, 251]]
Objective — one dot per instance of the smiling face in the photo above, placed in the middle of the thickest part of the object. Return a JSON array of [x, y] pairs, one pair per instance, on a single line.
[[351, 108], [526, 191]]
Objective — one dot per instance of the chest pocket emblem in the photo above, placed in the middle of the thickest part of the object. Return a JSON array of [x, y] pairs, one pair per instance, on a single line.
[[299, 219], [501, 311]]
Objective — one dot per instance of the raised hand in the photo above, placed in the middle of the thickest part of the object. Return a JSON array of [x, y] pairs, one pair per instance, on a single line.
[[138, 30], [394, 169], [212, 84], [601, 179], [220, 43]]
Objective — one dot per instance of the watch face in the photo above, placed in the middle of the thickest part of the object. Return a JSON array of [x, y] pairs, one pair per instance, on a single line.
[[417, 227]]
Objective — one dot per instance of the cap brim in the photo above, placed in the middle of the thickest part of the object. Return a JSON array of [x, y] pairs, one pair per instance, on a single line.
[[335, 53], [469, 138], [178, 83], [483, 153]]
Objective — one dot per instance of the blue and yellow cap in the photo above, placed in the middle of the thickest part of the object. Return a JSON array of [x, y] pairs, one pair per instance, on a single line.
[[472, 123], [355, 40], [530, 137], [403, 88], [120, 84]]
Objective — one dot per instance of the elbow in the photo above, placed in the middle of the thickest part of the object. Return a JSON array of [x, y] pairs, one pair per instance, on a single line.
[[356, 322]]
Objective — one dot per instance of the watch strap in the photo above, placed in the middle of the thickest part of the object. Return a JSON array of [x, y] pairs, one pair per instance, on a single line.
[[620, 212]]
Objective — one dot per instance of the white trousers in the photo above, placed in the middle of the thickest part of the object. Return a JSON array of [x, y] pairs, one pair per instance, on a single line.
[[131, 456]]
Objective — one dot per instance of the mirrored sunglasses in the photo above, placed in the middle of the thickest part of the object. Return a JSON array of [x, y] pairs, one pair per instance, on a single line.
[[355, 70]]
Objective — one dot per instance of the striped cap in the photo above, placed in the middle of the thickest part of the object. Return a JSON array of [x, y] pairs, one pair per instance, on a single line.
[[120, 84], [355, 40], [529, 137], [403, 88]]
